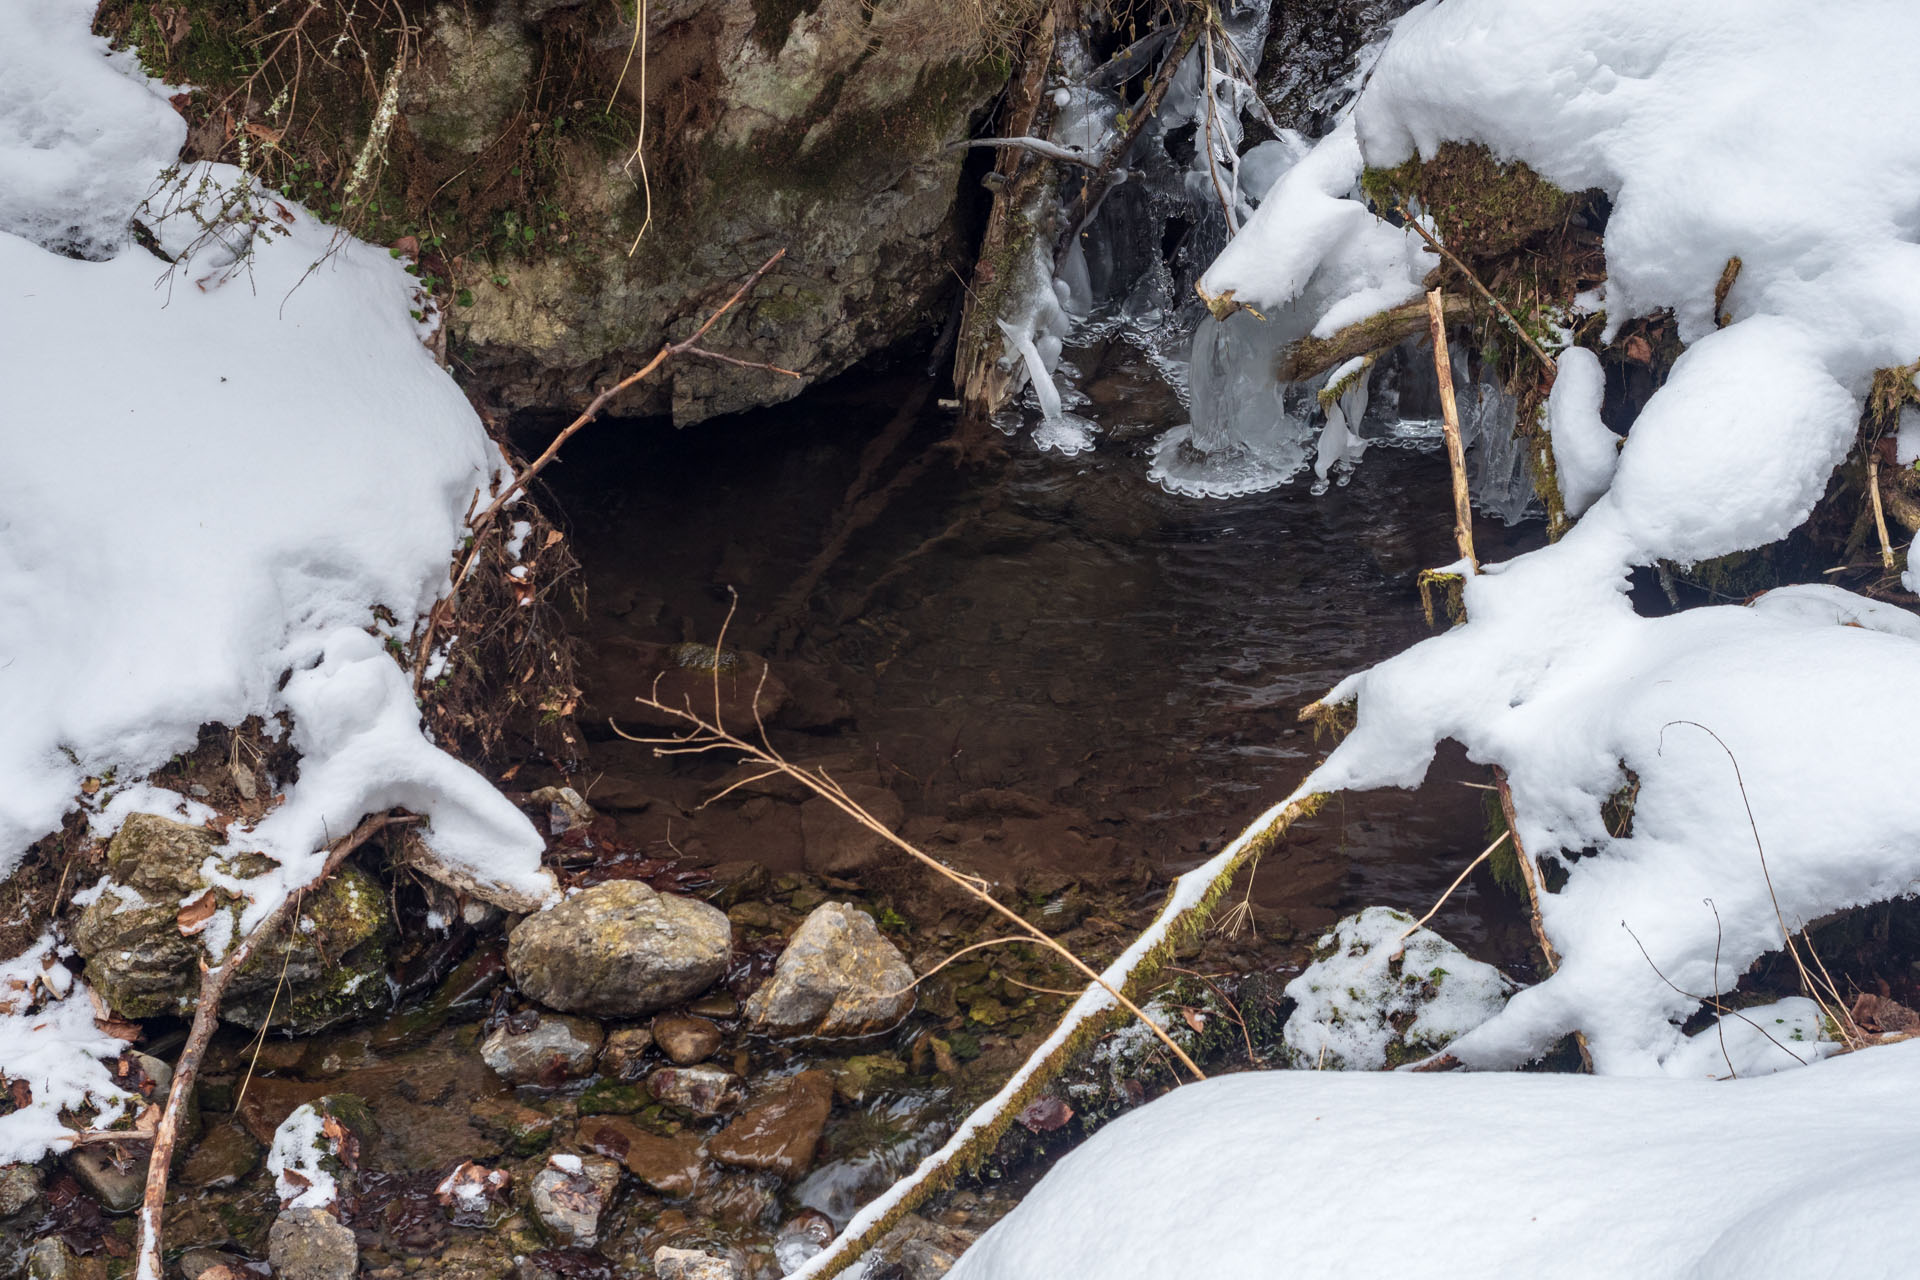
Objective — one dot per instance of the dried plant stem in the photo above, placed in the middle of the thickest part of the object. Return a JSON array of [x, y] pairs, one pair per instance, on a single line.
[[638, 44], [1887, 561], [1400, 943], [478, 526], [1482, 290], [1450, 415], [206, 1016]]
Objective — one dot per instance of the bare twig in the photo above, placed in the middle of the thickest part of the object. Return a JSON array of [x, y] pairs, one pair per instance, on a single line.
[[1450, 413], [690, 345], [1887, 561], [1400, 943], [1474, 280], [206, 1016]]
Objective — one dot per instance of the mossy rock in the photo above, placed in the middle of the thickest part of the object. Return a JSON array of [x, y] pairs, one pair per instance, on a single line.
[[333, 969], [1485, 207]]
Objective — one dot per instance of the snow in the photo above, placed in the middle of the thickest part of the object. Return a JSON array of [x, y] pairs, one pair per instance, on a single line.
[[1341, 1174], [1371, 971], [1716, 131], [51, 1043], [213, 476], [300, 1149]]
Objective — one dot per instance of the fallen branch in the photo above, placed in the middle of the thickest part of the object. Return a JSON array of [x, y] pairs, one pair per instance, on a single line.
[[1400, 943], [206, 1016], [1039, 147], [1450, 414], [1310, 357], [1887, 561], [443, 608]]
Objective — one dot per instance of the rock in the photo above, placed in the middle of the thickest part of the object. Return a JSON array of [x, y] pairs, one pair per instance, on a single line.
[[553, 1049], [921, 1250], [691, 1264], [612, 1098], [227, 1154], [624, 1057], [781, 1128], [703, 1090], [20, 1187], [470, 79], [836, 845], [311, 1244], [800, 1237], [620, 949], [117, 1181], [686, 1040], [671, 1166], [746, 1202], [51, 1259], [565, 809], [195, 1263], [571, 1193], [144, 967], [714, 1004], [861, 1077], [837, 977], [736, 881], [522, 1130]]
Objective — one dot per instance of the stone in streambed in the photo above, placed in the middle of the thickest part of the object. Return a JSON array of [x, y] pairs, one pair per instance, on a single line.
[[20, 1188], [227, 1154], [837, 977], [553, 1049], [686, 1040], [671, 1166], [572, 1193], [691, 1264], [620, 949], [703, 1090], [311, 1244], [624, 1057], [781, 1128]]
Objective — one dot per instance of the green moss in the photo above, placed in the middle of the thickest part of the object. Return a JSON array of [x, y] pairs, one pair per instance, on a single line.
[[613, 1098], [1484, 207]]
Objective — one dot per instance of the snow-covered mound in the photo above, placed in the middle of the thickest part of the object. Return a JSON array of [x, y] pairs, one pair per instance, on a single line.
[[1334, 1174], [213, 474], [1762, 131]]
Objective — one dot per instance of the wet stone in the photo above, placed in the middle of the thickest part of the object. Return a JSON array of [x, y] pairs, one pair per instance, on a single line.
[[620, 949], [837, 977], [670, 1165], [20, 1187], [572, 1193], [691, 1264], [741, 1201], [917, 1249], [553, 1049], [195, 1263], [624, 1057], [521, 1129], [227, 1154], [51, 1259], [780, 1130], [703, 1090], [116, 1180], [311, 1244], [800, 1237], [686, 1040]]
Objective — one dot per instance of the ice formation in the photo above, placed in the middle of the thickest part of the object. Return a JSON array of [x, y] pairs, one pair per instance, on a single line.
[[1244, 1177], [214, 473]]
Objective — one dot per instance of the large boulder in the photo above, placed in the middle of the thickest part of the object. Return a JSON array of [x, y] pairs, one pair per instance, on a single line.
[[837, 977], [620, 949], [330, 968]]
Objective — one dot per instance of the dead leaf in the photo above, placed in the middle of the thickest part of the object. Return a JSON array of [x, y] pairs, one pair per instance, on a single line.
[[553, 536], [1881, 1016], [1194, 1018], [1639, 350], [264, 133], [1044, 1115], [196, 914], [22, 1094]]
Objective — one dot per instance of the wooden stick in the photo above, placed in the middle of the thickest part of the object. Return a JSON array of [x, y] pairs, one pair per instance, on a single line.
[[1484, 292], [1450, 413], [206, 1016], [687, 346], [1400, 945], [1887, 561]]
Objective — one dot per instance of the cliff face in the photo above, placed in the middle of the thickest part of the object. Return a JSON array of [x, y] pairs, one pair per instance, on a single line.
[[823, 127]]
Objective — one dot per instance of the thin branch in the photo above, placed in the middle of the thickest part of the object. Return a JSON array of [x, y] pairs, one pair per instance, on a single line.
[[1400, 944], [1482, 289], [206, 1016], [1039, 147], [1450, 415]]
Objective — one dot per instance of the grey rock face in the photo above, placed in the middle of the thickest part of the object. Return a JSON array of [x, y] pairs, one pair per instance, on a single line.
[[311, 1244], [620, 949], [837, 977], [555, 1048]]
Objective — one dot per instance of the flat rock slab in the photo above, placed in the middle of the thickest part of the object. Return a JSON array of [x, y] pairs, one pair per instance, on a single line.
[[669, 1165], [780, 1128]]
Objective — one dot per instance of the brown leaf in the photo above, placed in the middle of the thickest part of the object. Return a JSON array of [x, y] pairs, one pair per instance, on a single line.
[[1194, 1018], [1044, 1115], [553, 536], [1639, 350], [194, 916], [22, 1094], [296, 1177], [1881, 1016]]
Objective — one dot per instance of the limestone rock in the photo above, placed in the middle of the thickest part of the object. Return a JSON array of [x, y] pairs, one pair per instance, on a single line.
[[686, 1040], [691, 1264], [553, 1049], [703, 1090], [51, 1259], [311, 1244], [469, 80], [837, 977], [620, 949], [781, 1128], [571, 1194], [20, 1188], [144, 967], [117, 1183]]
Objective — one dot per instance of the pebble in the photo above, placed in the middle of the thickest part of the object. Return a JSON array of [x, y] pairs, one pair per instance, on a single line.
[[311, 1244], [691, 1264], [686, 1040], [555, 1048], [703, 1090]]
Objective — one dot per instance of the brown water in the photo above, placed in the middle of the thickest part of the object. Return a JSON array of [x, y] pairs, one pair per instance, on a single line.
[[1130, 662]]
